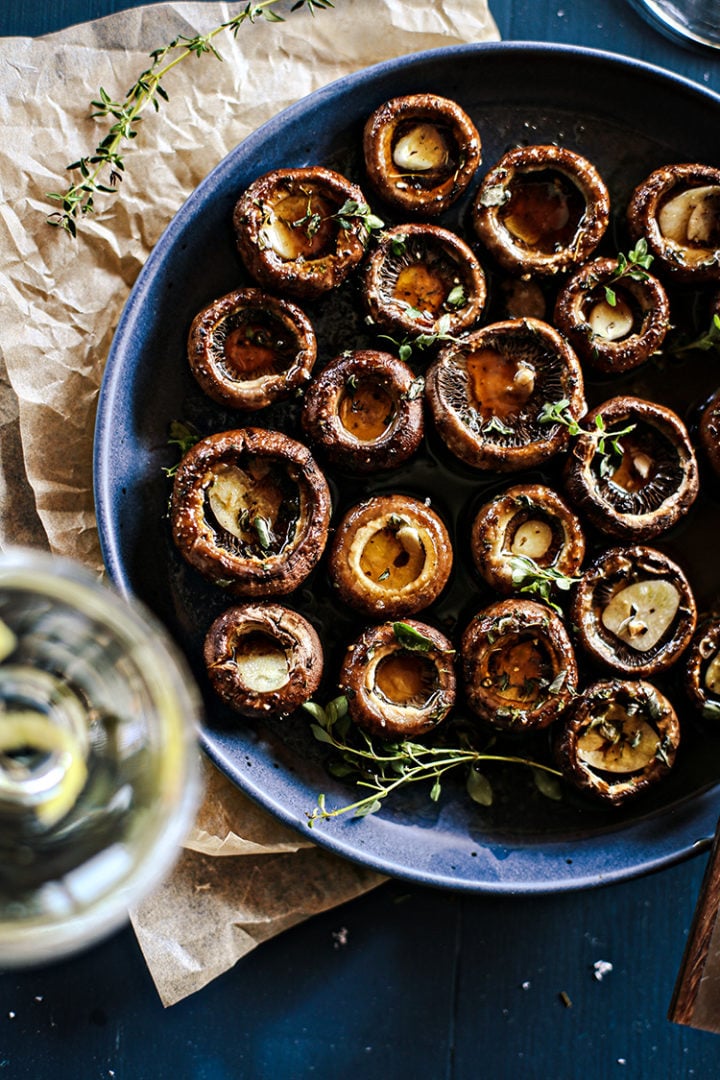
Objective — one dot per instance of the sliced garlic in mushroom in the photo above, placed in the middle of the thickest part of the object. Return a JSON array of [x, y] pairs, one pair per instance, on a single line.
[[532, 539], [641, 613], [261, 664], [692, 216], [611, 321], [619, 744], [227, 498], [420, 149]]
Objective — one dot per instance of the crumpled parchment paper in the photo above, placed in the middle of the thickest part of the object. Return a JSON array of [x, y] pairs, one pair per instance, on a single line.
[[60, 301]]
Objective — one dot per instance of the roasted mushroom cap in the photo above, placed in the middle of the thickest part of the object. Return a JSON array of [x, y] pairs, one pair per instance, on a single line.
[[635, 485], [518, 665], [421, 152], [617, 739], [702, 671], [391, 556], [422, 279], [614, 321], [301, 231], [263, 659], [634, 611], [399, 679], [541, 210], [250, 510], [709, 431], [488, 392], [677, 211], [248, 349], [527, 527], [365, 411]]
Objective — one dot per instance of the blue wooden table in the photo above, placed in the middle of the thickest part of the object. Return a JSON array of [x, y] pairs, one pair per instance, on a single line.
[[406, 981]]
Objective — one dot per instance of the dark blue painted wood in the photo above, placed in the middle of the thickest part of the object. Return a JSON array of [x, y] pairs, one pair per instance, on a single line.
[[428, 984]]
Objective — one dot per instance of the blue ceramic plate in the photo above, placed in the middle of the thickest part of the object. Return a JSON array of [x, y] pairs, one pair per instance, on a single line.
[[627, 118]]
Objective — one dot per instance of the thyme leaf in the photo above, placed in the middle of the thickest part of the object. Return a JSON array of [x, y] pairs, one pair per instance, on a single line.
[[262, 528], [103, 169], [410, 638]]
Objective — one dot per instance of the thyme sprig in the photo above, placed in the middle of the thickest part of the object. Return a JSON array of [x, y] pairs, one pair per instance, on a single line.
[[529, 577], [350, 211], [634, 265], [183, 436], [708, 341], [102, 171], [607, 443], [382, 768], [411, 343]]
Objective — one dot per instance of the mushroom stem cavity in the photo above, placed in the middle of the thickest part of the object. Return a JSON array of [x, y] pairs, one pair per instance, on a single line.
[[543, 211], [712, 675], [299, 226], [406, 678], [366, 409], [390, 555], [256, 505], [499, 383]]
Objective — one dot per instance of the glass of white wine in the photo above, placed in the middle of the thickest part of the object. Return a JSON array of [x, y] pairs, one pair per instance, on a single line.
[[99, 772], [695, 20]]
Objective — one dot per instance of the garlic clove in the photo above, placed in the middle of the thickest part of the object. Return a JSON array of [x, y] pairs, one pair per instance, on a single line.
[[641, 613], [691, 215], [420, 150], [611, 322], [532, 539]]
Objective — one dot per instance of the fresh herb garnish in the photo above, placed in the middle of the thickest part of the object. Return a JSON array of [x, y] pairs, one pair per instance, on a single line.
[[183, 435], [456, 297], [102, 171], [540, 581], [496, 424], [262, 527], [351, 210], [420, 342], [354, 211], [634, 265], [385, 767], [412, 639], [705, 342], [607, 443]]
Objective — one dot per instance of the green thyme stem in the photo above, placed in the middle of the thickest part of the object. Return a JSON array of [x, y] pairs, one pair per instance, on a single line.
[[422, 771], [384, 770], [101, 172]]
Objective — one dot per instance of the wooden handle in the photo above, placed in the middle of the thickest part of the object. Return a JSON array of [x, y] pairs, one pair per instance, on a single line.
[[696, 997]]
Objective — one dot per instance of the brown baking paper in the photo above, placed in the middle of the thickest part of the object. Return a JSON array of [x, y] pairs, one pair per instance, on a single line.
[[60, 301]]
